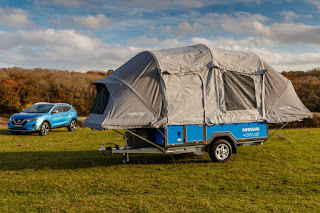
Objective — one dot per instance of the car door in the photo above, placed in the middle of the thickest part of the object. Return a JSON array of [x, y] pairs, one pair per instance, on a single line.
[[57, 116], [66, 115]]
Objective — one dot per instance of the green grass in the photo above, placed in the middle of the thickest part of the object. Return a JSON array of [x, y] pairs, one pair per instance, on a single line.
[[64, 172]]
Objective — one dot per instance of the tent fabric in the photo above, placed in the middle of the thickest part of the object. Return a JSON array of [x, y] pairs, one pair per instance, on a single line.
[[135, 96], [241, 62], [183, 60], [193, 85]]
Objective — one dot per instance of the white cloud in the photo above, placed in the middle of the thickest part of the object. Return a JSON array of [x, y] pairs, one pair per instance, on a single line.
[[191, 3], [279, 60], [7, 40], [186, 28], [316, 3], [68, 3], [68, 38], [183, 28], [140, 6], [289, 33], [251, 24], [169, 4], [96, 22], [290, 15], [70, 50], [61, 49], [14, 17], [240, 22], [73, 50]]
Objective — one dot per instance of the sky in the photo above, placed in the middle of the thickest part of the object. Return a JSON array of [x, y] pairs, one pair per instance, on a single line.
[[79, 35]]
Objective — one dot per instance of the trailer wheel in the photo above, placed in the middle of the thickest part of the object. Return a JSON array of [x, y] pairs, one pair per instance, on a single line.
[[125, 160], [220, 150]]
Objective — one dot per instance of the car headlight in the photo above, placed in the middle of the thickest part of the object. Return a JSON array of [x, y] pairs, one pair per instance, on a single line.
[[11, 119], [32, 119]]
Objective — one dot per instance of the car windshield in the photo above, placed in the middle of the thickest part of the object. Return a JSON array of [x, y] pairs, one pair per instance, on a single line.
[[39, 108]]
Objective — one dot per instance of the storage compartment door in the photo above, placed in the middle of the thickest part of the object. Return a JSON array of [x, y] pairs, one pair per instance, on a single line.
[[194, 133], [175, 134]]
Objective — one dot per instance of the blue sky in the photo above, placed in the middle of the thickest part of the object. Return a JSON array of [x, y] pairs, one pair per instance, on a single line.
[[81, 35]]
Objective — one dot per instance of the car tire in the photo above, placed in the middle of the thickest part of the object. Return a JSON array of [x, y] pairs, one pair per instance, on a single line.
[[44, 129], [73, 125], [220, 150]]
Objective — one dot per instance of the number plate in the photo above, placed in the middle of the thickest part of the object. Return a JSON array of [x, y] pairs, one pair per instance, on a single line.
[[16, 125]]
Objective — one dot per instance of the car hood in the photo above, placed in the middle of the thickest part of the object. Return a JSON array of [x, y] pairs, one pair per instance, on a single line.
[[24, 115]]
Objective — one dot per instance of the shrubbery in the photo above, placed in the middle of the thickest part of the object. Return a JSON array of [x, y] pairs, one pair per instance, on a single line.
[[306, 123], [20, 88]]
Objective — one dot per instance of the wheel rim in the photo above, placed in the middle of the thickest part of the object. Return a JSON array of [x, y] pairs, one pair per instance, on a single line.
[[45, 129], [222, 151], [73, 125]]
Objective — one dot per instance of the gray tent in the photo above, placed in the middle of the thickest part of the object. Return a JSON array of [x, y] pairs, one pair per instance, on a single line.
[[193, 85]]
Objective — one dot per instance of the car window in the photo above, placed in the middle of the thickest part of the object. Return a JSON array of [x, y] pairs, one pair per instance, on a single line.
[[58, 108], [66, 108], [39, 108]]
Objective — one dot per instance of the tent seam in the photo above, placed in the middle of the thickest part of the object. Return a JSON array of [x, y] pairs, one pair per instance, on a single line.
[[156, 59], [162, 92], [279, 97]]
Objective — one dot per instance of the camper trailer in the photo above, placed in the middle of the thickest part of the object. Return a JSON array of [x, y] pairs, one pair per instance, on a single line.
[[193, 99]]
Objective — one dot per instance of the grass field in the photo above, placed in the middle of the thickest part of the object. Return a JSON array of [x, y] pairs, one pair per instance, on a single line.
[[64, 172]]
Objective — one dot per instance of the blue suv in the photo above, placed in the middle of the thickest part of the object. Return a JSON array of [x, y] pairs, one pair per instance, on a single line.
[[42, 117]]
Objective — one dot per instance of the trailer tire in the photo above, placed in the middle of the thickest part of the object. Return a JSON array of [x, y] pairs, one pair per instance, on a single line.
[[220, 150], [125, 160]]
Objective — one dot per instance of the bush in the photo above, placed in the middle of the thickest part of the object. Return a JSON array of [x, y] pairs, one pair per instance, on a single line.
[[21, 88], [313, 122]]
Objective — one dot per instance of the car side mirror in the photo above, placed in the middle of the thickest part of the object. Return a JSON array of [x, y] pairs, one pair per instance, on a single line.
[[24, 110], [54, 111]]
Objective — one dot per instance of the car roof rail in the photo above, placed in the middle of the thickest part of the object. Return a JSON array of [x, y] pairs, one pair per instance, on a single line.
[[51, 103], [62, 103], [42, 103]]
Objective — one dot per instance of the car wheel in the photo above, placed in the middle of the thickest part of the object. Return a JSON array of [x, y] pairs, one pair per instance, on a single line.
[[73, 125], [220, 150], [44, 129]]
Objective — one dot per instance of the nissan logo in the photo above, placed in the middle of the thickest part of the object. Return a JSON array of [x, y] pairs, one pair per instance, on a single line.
[[19, 120]]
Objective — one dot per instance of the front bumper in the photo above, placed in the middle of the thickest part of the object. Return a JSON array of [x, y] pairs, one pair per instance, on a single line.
[[27, 127], [23, 130]]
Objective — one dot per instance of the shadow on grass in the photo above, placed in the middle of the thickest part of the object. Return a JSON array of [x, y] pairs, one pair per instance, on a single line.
[[14, 161], [52, 131], [11, 161], [5, 132]]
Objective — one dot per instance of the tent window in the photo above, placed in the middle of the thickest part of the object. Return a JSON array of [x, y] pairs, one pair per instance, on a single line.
[[239, 92], [102, 99]]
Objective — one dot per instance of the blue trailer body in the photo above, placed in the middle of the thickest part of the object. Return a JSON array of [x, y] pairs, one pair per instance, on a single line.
[[175, 135], [194, 133], [240, 131], [218, 140], [198, 134], [158, 136]]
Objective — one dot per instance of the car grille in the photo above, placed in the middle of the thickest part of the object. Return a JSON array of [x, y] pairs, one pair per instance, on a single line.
[[19, 122]]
